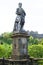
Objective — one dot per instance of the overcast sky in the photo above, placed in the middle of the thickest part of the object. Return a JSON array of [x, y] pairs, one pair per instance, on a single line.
[[34, 15]]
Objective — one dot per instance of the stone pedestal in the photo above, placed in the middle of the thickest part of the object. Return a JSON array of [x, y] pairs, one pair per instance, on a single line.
[[20, 46]]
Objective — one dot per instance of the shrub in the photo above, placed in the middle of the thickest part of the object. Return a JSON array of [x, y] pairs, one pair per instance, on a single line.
[[5, 50], [35, 51]]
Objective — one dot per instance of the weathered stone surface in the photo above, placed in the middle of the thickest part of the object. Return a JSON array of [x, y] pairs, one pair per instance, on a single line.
[[20, 36], [20, 44], [20, 19]]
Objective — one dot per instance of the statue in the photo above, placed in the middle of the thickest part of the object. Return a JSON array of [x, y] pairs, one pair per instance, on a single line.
[[20, 37], [20, 19]]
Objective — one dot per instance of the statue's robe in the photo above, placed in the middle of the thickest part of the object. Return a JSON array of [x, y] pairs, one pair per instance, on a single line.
[[22, 13]]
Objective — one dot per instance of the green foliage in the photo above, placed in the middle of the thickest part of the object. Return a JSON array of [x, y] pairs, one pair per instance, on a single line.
[[33, 40], [36, 51], [35, 47], [41, 41], [5, 50], [6, 38]]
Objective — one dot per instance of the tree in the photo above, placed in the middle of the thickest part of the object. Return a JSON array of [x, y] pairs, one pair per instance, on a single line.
[[33, 40], [6, 38]]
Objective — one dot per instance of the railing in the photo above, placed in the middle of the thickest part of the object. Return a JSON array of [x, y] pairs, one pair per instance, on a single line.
[[30, 61], [37, 61], [13, 62]]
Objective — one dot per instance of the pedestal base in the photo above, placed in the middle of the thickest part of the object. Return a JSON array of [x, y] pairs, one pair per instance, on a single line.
[[20, 46], [20, 57]]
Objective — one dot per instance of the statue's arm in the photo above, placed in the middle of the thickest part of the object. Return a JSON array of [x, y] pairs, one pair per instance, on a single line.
[[17, 11], [24, 13]]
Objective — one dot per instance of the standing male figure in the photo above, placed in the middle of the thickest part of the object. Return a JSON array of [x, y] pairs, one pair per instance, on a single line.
[[20, 17], [21, 13]]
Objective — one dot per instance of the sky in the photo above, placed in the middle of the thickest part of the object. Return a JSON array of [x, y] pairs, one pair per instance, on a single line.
[[33, 19]]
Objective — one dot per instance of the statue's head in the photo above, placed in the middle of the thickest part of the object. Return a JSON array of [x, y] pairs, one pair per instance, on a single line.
[[20, 5]]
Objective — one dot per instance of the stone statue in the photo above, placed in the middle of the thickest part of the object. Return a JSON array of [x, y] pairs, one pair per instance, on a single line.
[[20, 19]]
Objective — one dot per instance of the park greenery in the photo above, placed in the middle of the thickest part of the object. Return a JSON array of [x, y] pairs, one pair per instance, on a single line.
[[35, 46]]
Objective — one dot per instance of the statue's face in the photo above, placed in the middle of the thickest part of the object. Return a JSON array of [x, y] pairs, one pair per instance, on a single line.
[[20, 5]]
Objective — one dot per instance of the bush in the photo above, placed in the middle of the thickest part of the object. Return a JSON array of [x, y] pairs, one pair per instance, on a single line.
[[5, 50], [36, 51]]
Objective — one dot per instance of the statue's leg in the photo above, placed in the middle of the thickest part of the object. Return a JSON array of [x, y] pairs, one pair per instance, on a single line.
[[22, 23], [16, 26], [19, 26]]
